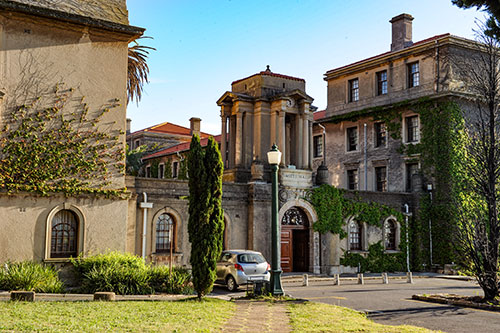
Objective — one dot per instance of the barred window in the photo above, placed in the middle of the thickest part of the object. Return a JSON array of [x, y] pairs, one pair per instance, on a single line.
[[165, 229], [64, 235]]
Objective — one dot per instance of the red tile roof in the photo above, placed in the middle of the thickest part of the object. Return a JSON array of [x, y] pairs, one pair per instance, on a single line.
[[319, 114], [180, 148], [169, 128], [388, 52], [269, 73]]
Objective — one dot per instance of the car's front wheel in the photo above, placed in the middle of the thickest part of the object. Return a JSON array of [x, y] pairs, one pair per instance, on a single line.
[[231, 283]]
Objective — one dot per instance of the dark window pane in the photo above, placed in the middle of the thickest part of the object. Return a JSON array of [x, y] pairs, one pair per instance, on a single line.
[[164, 233], [352, 179], [380, 134], [354, 90], [381, 179], [318, 145], [413, 75], [64, 233], [382, 83], [352, 138], [390, 235], [412, 129]]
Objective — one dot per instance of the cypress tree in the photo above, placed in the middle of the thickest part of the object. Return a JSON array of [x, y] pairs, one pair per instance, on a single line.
[[205, 224]]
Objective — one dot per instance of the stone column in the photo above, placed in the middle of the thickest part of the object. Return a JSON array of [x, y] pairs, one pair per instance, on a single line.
[[239, 139], [257, 137], [305, 143], [299, 139], [282, 137], [309, 163], [273, 129], [223, 139]]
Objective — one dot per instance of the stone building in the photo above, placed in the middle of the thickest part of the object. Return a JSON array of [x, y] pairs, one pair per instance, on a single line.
[[350, 138], [164, 135], [82, 46]]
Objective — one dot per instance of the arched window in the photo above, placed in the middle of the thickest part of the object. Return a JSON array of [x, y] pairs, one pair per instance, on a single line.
[[64, 235], [354, 235], [390, 234], [165, 229]]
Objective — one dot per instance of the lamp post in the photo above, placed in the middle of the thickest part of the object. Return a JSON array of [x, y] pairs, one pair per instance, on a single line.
[[274, 158]]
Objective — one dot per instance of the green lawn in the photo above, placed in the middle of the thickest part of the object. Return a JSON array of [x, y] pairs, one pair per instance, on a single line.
[[176, 316], [317, 317], [181, 316]]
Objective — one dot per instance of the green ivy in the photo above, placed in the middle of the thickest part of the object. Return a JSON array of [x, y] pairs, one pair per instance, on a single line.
[[376, 261], [333, 208], [440, 151], [53, 144]]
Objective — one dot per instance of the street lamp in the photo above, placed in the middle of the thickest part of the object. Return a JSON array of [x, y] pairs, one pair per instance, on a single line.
[[274, 158]]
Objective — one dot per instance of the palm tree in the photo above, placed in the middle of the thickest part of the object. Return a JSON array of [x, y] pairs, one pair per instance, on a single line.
[[138, 69]]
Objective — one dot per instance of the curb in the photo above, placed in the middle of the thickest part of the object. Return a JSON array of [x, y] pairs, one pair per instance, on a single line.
[[442, 299]]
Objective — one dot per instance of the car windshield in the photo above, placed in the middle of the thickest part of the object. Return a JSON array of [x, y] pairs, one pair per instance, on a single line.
[[251, 258]]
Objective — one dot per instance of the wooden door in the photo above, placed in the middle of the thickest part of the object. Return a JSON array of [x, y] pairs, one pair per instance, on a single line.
[[300, 240], [286, 250]]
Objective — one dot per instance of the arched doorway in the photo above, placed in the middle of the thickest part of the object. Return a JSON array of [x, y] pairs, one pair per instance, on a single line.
[[295, 241]]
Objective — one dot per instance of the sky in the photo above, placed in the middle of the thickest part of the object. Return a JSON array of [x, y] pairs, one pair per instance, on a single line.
[[204, 45]]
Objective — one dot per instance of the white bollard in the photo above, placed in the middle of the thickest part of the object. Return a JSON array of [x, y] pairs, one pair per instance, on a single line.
[[336, 280], [385, 279], [305, 280], [360, 279], [409, 277]]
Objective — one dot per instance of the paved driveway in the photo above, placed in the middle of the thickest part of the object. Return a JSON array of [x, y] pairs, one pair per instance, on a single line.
[[392, 304]]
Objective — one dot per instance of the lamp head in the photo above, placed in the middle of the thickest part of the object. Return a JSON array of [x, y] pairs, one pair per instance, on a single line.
[[274, 155]]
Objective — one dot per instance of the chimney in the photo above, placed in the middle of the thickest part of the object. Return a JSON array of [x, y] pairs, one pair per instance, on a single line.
[[128, 126], [195, 126], [401, 32]]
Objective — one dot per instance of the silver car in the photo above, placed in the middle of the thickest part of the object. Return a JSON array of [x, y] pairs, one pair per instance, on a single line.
[[238, 267]]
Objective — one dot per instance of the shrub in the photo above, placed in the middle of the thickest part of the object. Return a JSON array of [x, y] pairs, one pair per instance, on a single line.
[[122, 273], [30, 276], [176, 283], [127, 274]]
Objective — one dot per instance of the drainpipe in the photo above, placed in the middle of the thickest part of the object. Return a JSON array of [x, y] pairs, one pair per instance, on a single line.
[[437, 66], [145, 205], [407, 214], [365, 159]]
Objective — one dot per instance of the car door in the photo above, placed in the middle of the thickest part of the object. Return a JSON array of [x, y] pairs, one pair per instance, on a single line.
[[223, 266]]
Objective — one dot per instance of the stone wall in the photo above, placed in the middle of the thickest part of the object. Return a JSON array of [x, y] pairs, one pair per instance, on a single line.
[[108, 10], [25, 218]]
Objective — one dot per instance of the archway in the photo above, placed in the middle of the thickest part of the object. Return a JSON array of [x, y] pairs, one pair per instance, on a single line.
[[295, 241], [309, 245]]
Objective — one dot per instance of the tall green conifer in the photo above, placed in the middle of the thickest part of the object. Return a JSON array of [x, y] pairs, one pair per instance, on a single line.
[[205, 224]]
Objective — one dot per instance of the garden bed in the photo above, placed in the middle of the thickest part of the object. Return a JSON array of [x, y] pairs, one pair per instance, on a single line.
[[476, 302]]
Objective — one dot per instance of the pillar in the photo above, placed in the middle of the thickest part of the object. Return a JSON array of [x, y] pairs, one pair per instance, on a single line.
[[305, 143], [223, 138], [299, 136], [238, 159], [282, 137]]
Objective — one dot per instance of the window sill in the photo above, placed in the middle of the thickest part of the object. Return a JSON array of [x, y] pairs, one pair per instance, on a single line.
[[392, 251], [358, 251], [56, 260]]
